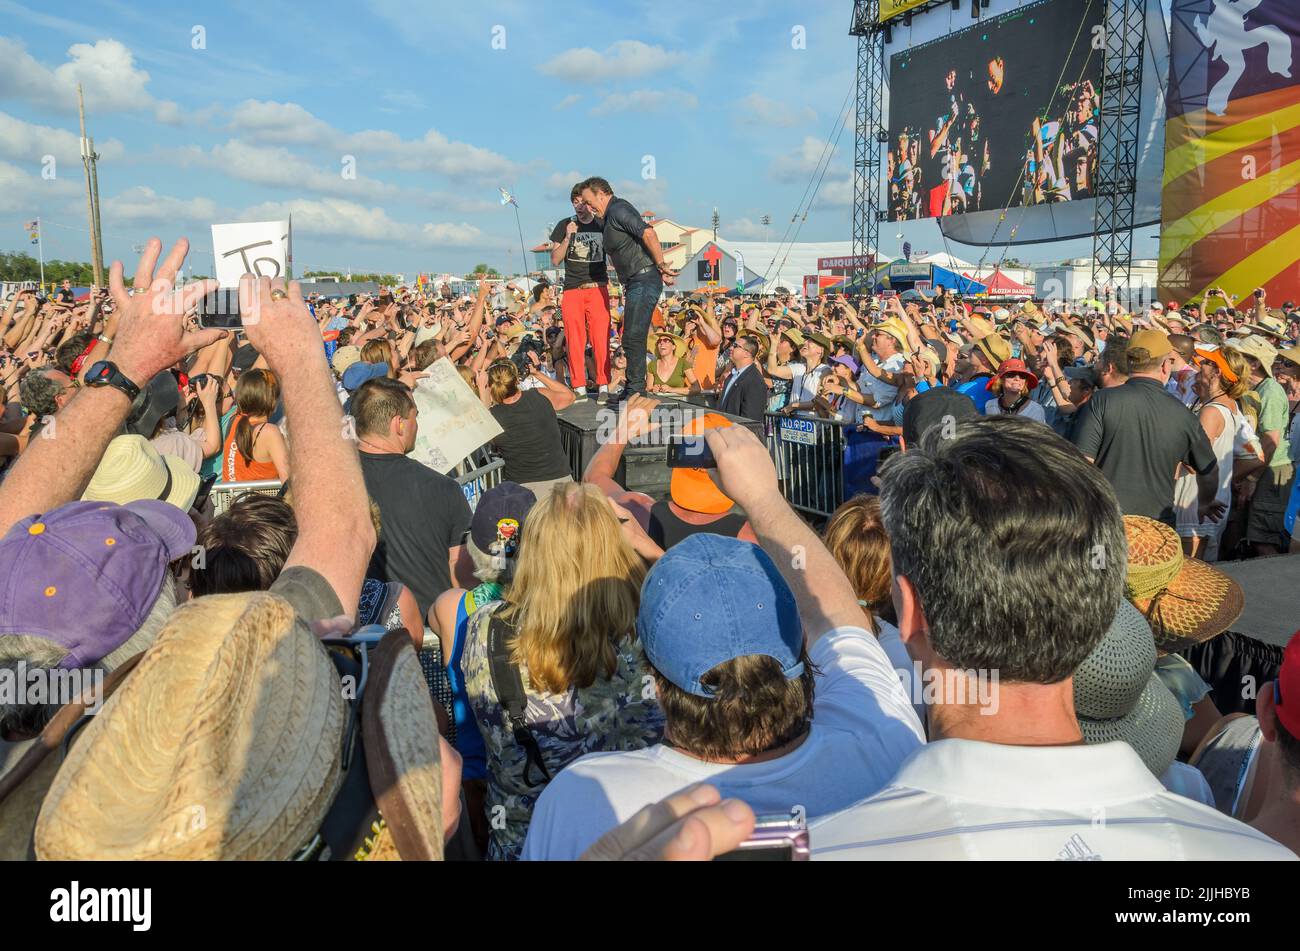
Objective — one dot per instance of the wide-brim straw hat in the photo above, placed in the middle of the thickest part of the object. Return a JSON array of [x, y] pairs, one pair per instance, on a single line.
[[1186, 601], [1119, 696], [131, 469], [225, 743], [679, 343]]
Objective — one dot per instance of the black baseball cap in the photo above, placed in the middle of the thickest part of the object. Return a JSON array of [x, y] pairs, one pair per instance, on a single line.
[[500, 514], [931, 408]]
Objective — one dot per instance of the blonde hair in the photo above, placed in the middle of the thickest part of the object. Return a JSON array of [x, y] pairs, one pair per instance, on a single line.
[[1237, 363], [503, 381], [575, 591], [378, 351]]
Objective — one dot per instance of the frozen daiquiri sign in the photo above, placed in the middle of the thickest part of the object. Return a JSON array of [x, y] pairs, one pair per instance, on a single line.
[[1231, 189]]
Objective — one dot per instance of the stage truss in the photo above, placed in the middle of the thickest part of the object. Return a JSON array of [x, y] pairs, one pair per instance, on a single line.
[[868, 189], [1118, 142]]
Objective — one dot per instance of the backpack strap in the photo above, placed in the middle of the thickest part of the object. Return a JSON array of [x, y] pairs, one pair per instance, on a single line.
[[509, 686]]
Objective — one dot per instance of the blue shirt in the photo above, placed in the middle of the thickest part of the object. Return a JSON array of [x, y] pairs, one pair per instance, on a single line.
[[977, 391]]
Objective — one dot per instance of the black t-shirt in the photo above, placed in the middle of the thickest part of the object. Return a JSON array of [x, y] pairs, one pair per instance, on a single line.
[[624, 227], [65, 295], [422, 515], [585, 260], [1138, 433], [530, 443]]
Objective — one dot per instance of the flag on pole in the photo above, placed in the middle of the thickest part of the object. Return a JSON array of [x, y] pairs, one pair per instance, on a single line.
[[34, 229], [507, 198]]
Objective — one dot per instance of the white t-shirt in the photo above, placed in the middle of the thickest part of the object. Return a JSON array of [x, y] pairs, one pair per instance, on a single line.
[[863, 727], [962, 799], [883, 393], [805, 384]]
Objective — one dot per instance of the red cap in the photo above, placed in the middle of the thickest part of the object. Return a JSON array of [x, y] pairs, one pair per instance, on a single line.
[[1286, 697]]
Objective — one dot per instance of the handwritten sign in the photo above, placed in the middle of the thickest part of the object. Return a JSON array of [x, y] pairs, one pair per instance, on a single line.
[[453, 423], [256, 247]]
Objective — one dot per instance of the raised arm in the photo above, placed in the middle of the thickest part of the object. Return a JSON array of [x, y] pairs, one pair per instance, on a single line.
[[152, 337], [335, 534], [745, 472]]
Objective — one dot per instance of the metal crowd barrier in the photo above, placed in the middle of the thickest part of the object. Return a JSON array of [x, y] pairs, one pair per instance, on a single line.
[[475, 475], [474, 482], [224, 493], [821, 462]]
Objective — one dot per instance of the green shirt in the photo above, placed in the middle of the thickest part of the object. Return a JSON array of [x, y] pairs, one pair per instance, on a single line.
[[1273, 412]]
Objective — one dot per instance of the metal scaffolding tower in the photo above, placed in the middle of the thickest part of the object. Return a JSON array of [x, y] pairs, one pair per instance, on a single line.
[[1118, 140], [870, 132]]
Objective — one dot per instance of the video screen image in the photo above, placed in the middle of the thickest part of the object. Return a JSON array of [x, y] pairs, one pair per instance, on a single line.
[[1000, 115]]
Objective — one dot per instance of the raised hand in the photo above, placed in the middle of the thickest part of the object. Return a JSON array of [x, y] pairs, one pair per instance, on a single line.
[[151, 331]]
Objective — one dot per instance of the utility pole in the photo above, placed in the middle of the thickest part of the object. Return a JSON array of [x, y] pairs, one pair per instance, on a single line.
[[88, 158]]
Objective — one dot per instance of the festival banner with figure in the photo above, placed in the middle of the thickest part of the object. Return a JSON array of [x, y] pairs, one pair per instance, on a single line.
[[1231, 187]]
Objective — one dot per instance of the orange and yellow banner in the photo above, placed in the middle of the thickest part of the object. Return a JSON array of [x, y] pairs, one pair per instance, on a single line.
[[1230, 201]]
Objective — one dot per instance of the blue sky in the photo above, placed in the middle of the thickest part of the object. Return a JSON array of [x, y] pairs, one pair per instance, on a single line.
[[436, 104]]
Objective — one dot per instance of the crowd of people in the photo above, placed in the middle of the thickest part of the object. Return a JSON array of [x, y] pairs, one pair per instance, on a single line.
[[981, 655]]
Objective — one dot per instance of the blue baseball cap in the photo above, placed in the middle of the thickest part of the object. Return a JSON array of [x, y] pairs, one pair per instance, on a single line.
[[711, 599], [360, 373]]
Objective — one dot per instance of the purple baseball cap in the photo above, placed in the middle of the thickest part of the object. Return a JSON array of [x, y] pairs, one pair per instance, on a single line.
[[86, 575], [848, 362]]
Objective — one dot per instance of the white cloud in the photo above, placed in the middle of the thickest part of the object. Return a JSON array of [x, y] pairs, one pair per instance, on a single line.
[[567, 101], [277, 167], [334, 217], [560, 184], [143, 204], [645, 194], [27, 142], [106, 69], [760, 109], [836, 193], [283, 123], [25, 194], [744, 229], [626, 59], [287, 123], [646, 100]]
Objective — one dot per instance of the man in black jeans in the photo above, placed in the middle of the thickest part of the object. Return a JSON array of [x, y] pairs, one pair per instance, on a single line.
[[633, 247]]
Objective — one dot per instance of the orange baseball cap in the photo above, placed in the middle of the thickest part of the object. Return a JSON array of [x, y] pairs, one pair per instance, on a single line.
[[692, 489]]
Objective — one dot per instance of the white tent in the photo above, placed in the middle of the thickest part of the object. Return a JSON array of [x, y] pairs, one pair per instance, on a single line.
[[950, 261], [785, 264]]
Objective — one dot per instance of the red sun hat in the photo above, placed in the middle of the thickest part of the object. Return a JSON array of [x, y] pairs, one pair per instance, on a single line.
[[1017, 366]]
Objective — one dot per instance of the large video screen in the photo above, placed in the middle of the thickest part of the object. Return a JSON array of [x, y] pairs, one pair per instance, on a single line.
[[1002, 114]]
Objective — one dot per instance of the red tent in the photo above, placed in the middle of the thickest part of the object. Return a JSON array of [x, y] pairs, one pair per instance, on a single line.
[[998, 284]]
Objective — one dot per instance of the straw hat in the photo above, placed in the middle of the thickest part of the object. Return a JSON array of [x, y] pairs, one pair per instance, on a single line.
[[225, 743], [344, 357], [131, 469], [692, 489], [1261, 349], [679, 343], [994, 348], [1119, 696], [1269, 325], [1186, 601], [894, 327]]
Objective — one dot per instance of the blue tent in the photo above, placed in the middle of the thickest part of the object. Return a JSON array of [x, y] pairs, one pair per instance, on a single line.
[[954, 281]]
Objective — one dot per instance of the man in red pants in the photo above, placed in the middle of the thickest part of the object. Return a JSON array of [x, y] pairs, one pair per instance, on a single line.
[[579, 241]]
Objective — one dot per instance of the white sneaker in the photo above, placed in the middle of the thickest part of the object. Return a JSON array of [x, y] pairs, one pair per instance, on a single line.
[[604, 388]]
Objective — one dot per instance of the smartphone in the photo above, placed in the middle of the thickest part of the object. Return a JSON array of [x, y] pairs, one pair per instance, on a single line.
[[205, 489], [220, 309], [690, 452], [778, 838]]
